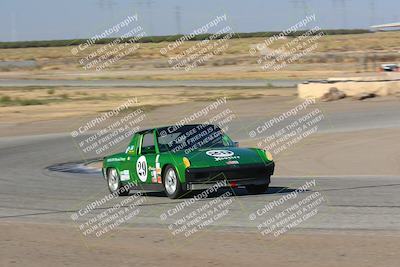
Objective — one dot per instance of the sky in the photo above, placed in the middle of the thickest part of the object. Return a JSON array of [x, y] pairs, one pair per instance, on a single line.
[[22, 20]]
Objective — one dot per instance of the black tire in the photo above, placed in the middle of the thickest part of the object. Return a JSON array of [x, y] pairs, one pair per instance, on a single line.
[[257, 188], [114, 183], [172, 186]]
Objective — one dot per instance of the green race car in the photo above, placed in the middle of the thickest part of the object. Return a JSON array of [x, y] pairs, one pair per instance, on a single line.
[[177, 159]]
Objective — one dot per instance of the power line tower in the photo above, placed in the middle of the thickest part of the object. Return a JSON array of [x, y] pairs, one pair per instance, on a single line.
[[300, 6], [109, 4], [13, 27], [178, 19], [372, 14], [343, 10], [149, 6], [100, 4], [341, 6]]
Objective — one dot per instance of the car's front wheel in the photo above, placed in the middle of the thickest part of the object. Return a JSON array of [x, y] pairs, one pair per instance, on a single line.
[[114, 183], [257, 189], [172, 185]]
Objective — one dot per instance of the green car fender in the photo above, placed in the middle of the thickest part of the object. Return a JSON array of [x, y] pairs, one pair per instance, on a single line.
[[176, 161], [266, 156]]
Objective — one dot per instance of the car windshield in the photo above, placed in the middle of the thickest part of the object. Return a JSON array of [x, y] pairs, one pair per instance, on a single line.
[[191, 137]]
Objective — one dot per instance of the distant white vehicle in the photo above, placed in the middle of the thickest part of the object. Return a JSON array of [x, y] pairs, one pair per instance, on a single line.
[[390, 67]]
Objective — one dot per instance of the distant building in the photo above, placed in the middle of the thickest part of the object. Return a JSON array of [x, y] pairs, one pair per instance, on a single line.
[[383, 27]]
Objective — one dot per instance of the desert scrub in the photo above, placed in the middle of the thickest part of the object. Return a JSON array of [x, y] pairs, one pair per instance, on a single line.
[[8, 101], [64, 96], [4, 100]]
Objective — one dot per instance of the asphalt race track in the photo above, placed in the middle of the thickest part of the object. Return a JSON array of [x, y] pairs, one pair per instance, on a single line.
[[347, 213], [30, 192]]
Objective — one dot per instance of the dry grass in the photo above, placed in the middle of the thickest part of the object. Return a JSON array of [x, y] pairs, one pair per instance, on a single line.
[[234, 63], [381, 41], [64, 102]]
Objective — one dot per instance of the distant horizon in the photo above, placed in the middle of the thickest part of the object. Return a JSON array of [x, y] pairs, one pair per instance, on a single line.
[[44, 40], [44, 20]]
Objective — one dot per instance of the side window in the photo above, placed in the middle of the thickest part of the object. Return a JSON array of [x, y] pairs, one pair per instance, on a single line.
[[148, 146]]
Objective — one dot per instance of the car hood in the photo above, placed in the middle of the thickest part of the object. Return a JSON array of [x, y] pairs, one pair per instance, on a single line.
[[223, 156]]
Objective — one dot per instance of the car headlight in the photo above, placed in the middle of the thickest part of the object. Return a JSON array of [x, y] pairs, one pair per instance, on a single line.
[[186, 162], [269, 155]]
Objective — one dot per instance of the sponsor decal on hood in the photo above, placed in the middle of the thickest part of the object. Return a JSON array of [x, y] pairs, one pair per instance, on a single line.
[[222, 154]]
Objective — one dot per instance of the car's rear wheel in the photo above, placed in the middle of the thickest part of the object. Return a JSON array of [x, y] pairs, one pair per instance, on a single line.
[[114, 183], [257, 188], [172, 185]]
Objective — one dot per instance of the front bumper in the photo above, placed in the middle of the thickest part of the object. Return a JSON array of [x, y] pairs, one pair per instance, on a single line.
[[237, 175]]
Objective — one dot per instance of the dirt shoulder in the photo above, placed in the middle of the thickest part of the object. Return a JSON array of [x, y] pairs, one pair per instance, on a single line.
[[38, 104], [28, 244]]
